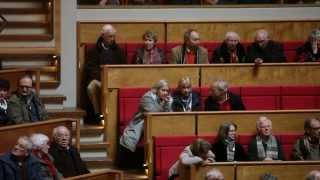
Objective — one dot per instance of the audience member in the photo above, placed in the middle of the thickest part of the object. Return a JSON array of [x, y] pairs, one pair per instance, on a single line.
[[214, 174], [19, 164], [230, 51], [313, 175], [222, 99], [25, 105], [184, 99], [195, 154], [106, 51], [310, 51], [4, 89], [264, 146], [268, 176], [265, 50], [308, 147], [40, 149], [190, 52], [66, 158], [157, 99], [150, 53], [226, 148]]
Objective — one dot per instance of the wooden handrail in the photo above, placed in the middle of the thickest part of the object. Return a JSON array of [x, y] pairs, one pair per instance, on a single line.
[[104, 174]]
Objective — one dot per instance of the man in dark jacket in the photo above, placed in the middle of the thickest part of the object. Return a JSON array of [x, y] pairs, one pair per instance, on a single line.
[[24, 105], [107, 51], [221, 99], [265, 50], [19, 163], [66, 158], [4, 89]]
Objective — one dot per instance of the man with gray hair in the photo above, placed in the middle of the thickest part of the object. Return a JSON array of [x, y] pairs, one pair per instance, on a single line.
[[190, 52], [221, 99], [264, 146], [265, 50], [230, 51], [214, 174], [106, 51], [19, 163]]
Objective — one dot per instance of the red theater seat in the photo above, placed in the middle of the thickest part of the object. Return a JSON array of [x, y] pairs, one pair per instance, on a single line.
[[287, 142], [261, 98], [290, 47], [300, 97]]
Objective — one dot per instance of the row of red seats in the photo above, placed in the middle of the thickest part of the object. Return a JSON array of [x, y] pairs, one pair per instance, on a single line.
[[254, 98], [168, 149], [130, 49]]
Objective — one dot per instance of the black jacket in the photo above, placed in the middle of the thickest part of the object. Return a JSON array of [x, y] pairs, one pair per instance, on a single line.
[[219, 149], [68, 162], [100, 56], [177, 104], [235, 103], [305, 53], [3, 117], [272, 53], [222, 55]]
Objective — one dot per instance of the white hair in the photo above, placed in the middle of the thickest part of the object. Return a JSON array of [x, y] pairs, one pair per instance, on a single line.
[[38, 140], [214, 174], [220, 84], [161, 83], [262, 119], [232, 34], [109, 29], [57, 129], [263, 33]]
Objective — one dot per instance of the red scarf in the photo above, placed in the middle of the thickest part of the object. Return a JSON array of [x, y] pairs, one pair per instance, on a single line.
[[45, 158]]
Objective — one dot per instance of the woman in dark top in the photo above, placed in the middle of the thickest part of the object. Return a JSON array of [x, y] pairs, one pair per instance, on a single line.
[[310, 51], [226, 148]]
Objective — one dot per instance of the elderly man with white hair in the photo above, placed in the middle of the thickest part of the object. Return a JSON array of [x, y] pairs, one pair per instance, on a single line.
[[66, 158], [106, 51], [40, 149], [265, 50], [230, 51], [19, 163], [221, 99], [265, 146]]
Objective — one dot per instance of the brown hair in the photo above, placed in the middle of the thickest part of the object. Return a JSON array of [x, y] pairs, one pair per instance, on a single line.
[[200, 146], [224, 130]]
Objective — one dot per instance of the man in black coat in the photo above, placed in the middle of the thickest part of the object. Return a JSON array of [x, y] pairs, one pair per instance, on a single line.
[[66, 158]]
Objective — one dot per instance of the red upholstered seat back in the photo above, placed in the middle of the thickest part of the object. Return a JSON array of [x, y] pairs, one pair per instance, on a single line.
[[261, 98], [290, 48], [300, 97], [287, 142]]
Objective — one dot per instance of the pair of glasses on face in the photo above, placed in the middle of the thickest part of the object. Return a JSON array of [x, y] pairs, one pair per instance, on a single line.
[[25, 87]]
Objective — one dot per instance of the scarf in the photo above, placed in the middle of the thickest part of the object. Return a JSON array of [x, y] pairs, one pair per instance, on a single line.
[[45, 158], [3, 104], [272, 148], [186, 103], [231, 149]]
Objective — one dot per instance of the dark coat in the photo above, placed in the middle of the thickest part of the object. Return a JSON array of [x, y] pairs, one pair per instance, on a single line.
[[253, 151], [68, 162], [235, 103], [222, 55], [272, 53], [9, 169], [99, 56], [3, 117], [305, 53], [220, 151], [177, 104]]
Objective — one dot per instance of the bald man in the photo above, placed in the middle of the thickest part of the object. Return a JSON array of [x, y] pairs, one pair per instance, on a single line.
[[190, 52], [106, 51], [265, 50], [230, 51], [24, 106]]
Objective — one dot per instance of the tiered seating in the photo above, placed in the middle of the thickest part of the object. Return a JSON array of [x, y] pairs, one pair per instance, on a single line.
[[167, 149]]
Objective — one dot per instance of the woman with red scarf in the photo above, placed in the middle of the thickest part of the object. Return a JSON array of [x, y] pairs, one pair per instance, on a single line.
[[40, 149]]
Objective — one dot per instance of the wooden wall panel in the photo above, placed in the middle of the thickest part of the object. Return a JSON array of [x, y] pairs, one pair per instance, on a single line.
[[126, 32], [215, 31], [267, 74], [282, 121]]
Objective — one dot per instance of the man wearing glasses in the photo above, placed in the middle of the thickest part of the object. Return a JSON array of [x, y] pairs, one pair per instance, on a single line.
[[24, 105]]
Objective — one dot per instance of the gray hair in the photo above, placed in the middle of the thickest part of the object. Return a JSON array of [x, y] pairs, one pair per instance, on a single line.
[[187, 34], [263, 32], [214, 174], [160, 84], [232, 34], [314, 34], [220, 84], [262, 119], [56, 130], [150, 34], [313, 175], [38, 140], [108, 29]]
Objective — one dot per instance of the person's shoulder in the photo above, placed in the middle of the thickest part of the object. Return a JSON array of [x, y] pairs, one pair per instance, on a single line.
[[13, 98], [176, 48]]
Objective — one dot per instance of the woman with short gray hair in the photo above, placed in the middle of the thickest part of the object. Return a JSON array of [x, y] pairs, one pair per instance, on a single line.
[[310, 51]]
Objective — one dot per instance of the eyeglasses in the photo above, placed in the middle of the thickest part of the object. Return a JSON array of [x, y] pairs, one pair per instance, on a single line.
[[27, 87]]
